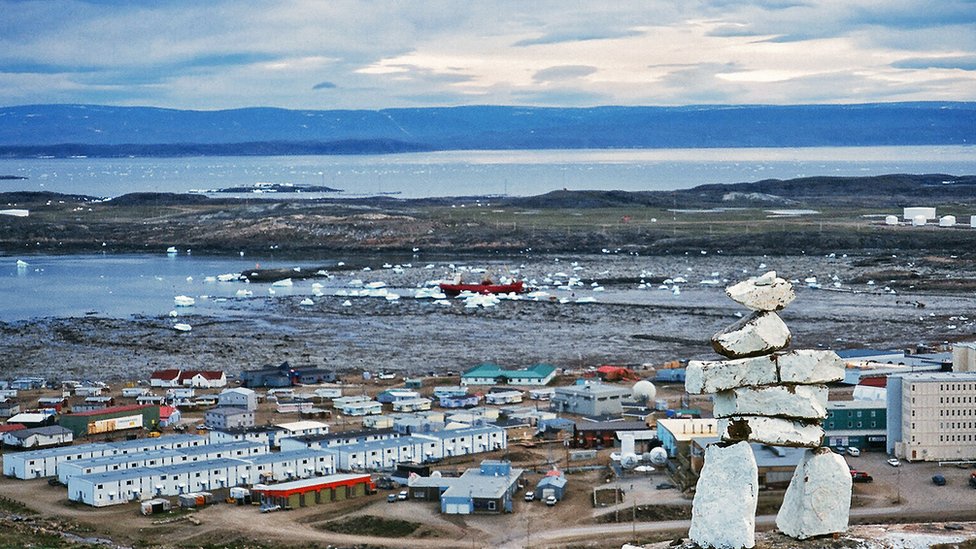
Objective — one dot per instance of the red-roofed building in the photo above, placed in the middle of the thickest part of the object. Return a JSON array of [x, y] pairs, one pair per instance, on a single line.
[[165, 378], [169, 416]]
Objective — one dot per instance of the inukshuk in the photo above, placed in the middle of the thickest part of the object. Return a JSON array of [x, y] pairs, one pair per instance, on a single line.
[[767, 395]]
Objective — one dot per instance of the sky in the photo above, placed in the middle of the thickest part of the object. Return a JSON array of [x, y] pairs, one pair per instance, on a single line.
[[334, 54]]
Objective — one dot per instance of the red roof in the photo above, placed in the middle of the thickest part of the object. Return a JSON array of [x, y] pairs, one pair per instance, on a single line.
[[166, 411], [113, 409], [874, 381], [11, 427], [165, 374]]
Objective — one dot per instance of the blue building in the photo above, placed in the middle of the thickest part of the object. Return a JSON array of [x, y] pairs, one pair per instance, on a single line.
[[488, 489]]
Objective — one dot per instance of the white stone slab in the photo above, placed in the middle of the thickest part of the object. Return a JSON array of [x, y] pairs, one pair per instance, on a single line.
[[771, 430], [818, 500], [723, 513], [786, 401], [713, 376], [758, 334], [764, 293], [810, 367]]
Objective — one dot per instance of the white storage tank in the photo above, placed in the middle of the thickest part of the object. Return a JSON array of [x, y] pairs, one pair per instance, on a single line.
[[947, 221], [911, 213], [972, 221], [919, 221], [892, 220]]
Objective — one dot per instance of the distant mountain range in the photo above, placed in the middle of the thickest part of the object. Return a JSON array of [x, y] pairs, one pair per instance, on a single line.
[[91, 130]]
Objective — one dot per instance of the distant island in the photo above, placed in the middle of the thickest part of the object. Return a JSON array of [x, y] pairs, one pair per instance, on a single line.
[[270, 188], [12, 177], [65, 131]]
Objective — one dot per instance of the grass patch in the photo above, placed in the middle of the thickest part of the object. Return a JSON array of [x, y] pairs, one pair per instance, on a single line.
[[15, 507], [368, 525]]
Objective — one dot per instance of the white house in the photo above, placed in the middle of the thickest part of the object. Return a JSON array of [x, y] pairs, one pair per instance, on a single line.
[[411, 405], [361, 408], [133, 392], [104, 464], [239, 397], [301, 429], [227, 417], [38, 437], [503, 397]]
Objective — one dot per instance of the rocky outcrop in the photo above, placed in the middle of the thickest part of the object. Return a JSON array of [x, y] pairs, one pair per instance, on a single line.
[[818, 500], [723, 513]]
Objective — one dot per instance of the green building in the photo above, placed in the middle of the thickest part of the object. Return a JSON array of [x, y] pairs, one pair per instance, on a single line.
[[856, 423], [109, 420], [493, 374]]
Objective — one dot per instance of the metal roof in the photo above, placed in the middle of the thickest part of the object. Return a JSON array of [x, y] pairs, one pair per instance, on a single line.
[[222, 447]]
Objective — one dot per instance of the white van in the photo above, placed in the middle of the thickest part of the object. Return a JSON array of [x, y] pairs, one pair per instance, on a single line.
[[853, 452]]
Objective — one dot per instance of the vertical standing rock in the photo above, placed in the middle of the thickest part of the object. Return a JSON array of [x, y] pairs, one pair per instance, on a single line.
[[723, 513], [818, 501]]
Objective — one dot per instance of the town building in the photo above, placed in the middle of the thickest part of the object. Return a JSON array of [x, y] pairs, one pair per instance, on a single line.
[[108, 420], [38, 437], [461, 401], [553, 483], [120, 462], [264, 434], [411, 405], [590, 399], [318, 490], [284, 375], [238, 397], [228, 418], [503, 397], [932, 416], [333, 440], [9, 408], [860, 424], [488, 489], [603, 434], [493, 374], [393, 395], [300, 429], [676, 434], [359, 408], [775, 464], [450, 391]]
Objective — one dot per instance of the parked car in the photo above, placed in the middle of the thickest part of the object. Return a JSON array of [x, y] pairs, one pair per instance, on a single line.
[[840, 449], [664, 486], [402, 495], [853, 452], [392, 498], [530, 495], [861, 476], [938, 480], [551, 500], [894, 462]]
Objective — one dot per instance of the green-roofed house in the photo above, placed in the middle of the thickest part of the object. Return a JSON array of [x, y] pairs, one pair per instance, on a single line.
[[493, 374]]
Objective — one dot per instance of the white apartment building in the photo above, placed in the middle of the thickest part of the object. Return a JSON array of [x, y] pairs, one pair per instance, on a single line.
[[932, 416]]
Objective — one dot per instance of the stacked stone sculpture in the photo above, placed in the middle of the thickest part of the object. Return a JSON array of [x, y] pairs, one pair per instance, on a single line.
[[768, 395]]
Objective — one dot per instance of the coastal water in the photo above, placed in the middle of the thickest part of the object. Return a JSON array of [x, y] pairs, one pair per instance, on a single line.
[[123, 285], [467, 173]]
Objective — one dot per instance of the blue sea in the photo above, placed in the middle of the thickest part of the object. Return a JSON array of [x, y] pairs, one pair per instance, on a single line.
[[468, 173]]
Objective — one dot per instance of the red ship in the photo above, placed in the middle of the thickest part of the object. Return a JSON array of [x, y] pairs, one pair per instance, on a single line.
[[486, 287]]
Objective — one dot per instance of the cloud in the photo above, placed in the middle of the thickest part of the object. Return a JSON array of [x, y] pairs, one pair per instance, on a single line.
[[563, 72], [324, 86], [559, 38], [961, 62]]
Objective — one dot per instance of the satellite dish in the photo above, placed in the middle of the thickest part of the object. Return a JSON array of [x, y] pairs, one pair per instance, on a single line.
[[629, 461], [435, 474], [659, 456], [644, 391]]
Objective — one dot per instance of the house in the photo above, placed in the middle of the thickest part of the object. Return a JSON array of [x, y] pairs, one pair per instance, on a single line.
[[88, 390], [33, 419], [360, 408], [38, 437], [227, 417], [151, 399], [377, 422], [411, 405], [9, 408], [676, 434], [204, 379], [503, 397], [264, 434], [553, 483], [488, 489], [775, 464], [238, 397], [55, 403], [603, 434], [284, 375], [27, 383], [165, 378], [492, 374], [465, 401], [169, 416], [301, 429], [590, 399], [133, 392], [333, 440], [450, 391], [393, 395]]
